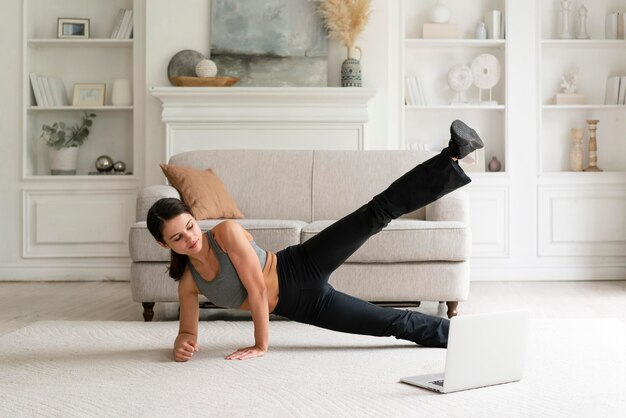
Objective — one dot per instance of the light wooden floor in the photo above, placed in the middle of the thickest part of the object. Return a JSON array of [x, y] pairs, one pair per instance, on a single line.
[[22, 303]]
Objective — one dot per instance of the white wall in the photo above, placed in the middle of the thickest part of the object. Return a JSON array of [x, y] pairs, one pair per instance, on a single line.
[[10, 134]]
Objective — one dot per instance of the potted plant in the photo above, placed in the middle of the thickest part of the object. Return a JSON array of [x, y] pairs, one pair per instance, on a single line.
[[63, 142]]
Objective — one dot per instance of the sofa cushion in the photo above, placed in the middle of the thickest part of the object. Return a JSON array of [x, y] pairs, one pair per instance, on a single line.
[[345, 180], [266, 184], [203, 191], [408, 240], [269, 234]]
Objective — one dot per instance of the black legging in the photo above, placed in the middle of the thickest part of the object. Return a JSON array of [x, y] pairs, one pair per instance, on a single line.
[[304, 269]]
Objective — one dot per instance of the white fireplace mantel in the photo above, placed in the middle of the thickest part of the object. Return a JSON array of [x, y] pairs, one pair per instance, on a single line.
[[263, 117]]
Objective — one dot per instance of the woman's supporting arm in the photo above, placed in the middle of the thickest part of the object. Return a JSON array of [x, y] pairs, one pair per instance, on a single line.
[[186, 343], [236, 242]]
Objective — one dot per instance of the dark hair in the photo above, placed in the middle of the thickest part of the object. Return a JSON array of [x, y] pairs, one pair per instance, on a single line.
[[162, 211]]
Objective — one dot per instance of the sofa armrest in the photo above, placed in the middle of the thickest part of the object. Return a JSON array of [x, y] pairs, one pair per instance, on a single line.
[[148, 195], [452, 207]]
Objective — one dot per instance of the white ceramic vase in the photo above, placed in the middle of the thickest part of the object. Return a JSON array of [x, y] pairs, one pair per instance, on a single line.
[[63, 161], [122, 93]]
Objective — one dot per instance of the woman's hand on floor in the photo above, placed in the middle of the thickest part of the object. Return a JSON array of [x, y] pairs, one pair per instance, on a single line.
[[246, 353], [184, 348]]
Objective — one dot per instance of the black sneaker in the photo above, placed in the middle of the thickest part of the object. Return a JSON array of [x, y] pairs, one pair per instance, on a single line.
[[463, 140]]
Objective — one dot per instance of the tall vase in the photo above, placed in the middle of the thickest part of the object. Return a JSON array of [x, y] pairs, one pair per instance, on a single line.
[[63, 161], [351, 68], [122, 93], [576, 152], [593, 146]]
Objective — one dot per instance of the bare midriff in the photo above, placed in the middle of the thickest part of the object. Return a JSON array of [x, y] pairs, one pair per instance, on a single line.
[[270, 275]]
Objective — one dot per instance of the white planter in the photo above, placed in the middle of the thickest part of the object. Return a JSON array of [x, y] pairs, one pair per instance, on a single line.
[[63, 161], [122, 93]]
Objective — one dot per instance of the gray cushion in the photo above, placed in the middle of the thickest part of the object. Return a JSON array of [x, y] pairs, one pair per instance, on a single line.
[[345, 180], [265, 184], [407, 240], [269, 234]]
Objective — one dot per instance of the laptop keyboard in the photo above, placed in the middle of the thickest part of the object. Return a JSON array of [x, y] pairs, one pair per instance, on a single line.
[[437, 382]]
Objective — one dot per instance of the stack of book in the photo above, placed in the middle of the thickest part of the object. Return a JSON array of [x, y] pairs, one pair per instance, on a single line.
[[615, 90], [48, 91], [123, 28], [614, 26], [440, 31], [414, 92]]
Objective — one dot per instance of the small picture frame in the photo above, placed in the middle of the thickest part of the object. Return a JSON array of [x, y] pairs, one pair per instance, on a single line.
[[88, 95], [72, 28]]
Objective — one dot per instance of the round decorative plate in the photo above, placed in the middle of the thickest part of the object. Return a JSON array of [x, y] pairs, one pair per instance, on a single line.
[[460, 77], [486, 71], [183, 63]]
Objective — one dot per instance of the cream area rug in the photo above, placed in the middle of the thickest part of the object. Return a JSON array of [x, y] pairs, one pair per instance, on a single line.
[[575, 368]]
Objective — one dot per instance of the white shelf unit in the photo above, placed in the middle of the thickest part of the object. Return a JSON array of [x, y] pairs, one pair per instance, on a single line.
[[431, 59], [596, 59], [97, 59]]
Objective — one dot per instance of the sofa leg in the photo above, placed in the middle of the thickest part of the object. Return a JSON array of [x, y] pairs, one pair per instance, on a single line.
[[452, 308], [148, 312]]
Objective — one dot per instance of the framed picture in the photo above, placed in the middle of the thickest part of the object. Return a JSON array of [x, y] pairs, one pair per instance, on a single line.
[[474, 162], [88, 95], [72, 28]]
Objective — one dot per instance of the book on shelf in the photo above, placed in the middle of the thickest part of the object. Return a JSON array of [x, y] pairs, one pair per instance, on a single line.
[[440, 31], [118, 23], [126, 27], [414, 91], [614, 26], [36, 90], [48, 91], [615, 90]]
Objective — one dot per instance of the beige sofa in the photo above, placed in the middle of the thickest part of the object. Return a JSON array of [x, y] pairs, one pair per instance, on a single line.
[[289, 196]]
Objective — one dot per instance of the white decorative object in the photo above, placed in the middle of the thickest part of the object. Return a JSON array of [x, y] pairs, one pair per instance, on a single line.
[[582, 23], [439, 13], [122, 93], [206, 68], [565, 7], [569, 81], [481, 30], [494, 23], [486, 74], [569, 86], [460, 79]]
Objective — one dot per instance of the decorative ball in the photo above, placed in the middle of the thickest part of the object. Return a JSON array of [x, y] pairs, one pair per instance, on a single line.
[[119, 166], [104, 163], [206, 68], [439, 14]]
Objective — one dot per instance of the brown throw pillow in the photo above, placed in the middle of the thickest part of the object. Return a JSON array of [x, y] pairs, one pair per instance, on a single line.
[[203, 191]]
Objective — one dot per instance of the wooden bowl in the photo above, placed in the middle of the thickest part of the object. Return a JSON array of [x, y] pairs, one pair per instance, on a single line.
[[183, 81]]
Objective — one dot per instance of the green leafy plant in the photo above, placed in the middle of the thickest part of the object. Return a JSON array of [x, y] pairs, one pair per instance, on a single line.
[[60, 136]]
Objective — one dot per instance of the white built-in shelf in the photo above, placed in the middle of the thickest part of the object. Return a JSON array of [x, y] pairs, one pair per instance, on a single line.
[[583, 43], [82, 177], [584, 107], [582, 177], [454, 43], [456, 107], [80, 43], [92, 108]]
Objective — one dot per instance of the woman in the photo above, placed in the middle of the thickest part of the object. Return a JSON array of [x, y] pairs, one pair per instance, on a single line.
[[227, 266]]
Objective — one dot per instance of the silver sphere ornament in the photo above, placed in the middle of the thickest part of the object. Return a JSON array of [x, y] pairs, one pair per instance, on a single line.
[[119, 166], [104, 163]]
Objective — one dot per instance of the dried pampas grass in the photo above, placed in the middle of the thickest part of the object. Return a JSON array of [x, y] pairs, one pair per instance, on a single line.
[[345, 19]]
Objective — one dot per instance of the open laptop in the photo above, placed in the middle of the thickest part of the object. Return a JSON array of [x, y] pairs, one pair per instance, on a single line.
[[483, 350]]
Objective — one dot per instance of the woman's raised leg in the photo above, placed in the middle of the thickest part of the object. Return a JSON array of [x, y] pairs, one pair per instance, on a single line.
[[422, 185]]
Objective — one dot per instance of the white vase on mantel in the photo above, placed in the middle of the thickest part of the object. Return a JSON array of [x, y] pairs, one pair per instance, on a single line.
[[63, 161]]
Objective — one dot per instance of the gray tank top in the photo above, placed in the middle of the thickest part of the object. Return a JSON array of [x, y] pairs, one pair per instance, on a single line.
[[226, 290]]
